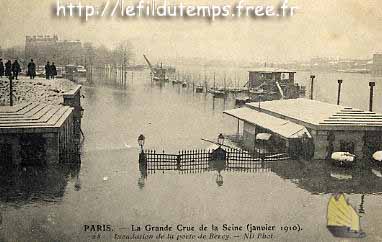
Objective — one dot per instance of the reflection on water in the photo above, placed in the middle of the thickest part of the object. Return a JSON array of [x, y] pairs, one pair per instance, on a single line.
[[23, 185], [320, 177], [316, 177]]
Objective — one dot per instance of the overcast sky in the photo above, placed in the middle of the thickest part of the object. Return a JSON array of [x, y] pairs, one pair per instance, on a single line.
[[343, 28]]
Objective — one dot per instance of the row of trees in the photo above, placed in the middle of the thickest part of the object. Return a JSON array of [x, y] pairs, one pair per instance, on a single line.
[[121, 55], [97, 56]]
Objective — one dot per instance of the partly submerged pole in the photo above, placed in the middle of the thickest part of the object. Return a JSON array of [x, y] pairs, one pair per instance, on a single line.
[[312, 86], [214, 80], [371, 85], [339, 92]]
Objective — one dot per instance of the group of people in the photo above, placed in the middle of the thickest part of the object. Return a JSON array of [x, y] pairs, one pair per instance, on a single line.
[[12, 70], [50, 70], [9, 69]]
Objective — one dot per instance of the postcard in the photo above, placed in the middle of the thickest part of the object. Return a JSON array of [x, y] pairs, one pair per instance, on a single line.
[[190, 120]]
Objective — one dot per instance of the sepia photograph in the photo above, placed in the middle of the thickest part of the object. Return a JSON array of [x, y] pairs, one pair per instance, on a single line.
[[190, 120]]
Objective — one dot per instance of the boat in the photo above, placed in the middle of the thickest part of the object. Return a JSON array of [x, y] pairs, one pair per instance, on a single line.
[[239, 101], [236, 89], [342, 219], [343, 158], [273, 84], [217, 93], [176, 80], [157, 78], [199, 89], [159, 73]]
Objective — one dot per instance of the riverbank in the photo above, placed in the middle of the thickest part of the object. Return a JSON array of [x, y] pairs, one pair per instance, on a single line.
[[36, 90]]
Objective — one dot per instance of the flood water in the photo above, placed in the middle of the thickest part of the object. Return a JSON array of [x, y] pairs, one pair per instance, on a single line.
[[54, 204]]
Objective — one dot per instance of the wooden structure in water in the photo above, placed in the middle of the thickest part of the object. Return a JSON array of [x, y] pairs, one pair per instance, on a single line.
[[40, 133], [272, 84]]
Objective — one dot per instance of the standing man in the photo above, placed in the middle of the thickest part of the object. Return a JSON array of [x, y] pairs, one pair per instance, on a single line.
[[8, 68], [1, 68], [47, 70], [16, 69], [53, 70], [32, 69]]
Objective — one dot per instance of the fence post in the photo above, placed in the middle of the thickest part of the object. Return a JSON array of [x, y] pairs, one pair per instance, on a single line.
[[178, 162]]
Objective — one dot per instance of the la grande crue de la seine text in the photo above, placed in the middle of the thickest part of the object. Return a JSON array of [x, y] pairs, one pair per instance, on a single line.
[[192, 228]]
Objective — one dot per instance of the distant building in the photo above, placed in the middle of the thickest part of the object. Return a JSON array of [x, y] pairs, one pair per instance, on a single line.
[[44, 48], [320, 64], [377, 65]]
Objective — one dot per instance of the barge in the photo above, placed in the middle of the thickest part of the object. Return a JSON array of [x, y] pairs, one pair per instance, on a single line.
[[266, 84]]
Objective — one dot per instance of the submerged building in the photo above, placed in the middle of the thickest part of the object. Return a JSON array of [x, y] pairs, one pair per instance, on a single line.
[[40, 133], [304, 127]]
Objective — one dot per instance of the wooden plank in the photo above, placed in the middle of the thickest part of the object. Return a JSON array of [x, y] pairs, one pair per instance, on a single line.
[[42, 116], [14, 109], [356, 118], [350, 121], [21, 112], [52, 122]]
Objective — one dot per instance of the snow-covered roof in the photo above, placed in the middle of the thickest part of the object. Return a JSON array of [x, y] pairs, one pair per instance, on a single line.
[[34, 117], [285, 128], [315, 113]]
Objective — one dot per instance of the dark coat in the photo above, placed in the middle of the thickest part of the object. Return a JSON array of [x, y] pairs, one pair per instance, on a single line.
[[1, 68], [16, 67], [48, 70], [8, 68], [31, 69], [53, 70]]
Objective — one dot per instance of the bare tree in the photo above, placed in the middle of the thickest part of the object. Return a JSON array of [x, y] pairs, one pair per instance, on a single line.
[[123, 54]]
